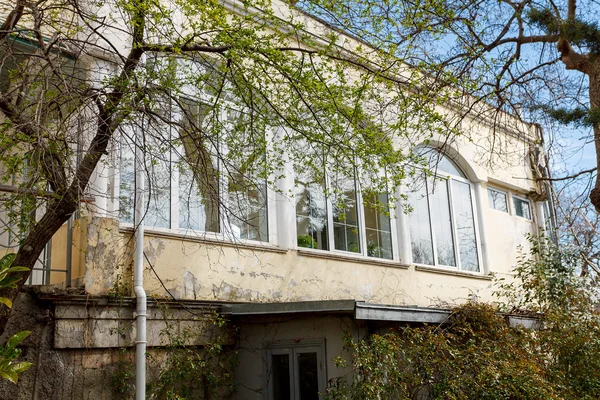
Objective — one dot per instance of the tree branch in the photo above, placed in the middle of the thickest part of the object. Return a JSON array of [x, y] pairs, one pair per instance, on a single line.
[[564, 178], [12, 19]]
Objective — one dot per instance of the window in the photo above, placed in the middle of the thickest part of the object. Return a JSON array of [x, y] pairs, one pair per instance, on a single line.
[[184, 188], [522, 207], [497, 200], [295, 370], [442, 223], [311, 212], [356, 223]]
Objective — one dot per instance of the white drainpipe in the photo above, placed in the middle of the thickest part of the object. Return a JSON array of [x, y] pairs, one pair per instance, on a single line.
[[138, 272]]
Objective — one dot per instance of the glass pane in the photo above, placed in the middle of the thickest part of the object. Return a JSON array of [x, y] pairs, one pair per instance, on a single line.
[[420, 231], [522, 208], [158, 176], [311, 212], [497, 200], [248, 208], [198, 173], [440, 213], [157, 193], [308, 376], [378, 228], [439, 162], [345, 215], [280, 364], [465, 225], [126, 178]]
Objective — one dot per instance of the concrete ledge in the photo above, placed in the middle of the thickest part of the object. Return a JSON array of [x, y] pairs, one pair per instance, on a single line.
[[267, 247], [446, 271], [348, 258], [378, 312], [110, 324], [289, 307]]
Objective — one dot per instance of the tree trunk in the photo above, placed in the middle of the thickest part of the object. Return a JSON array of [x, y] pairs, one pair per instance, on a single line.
[[594, 76], [33, 245]]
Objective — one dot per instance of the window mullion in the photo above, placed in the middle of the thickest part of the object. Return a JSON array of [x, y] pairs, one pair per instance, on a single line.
[[474, 205], [360, 211], [173, 160], [329, 213], [453, 224], [431, 230]]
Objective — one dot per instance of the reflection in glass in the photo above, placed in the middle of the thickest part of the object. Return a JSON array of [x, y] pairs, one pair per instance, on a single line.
[[442, 219], [157, 188], [280, 364], [198, 173], [248, 208], [497, 200], [126, 180], [419, 223], [308, 376], [465, 225], [157, 164], [442, 223], [377, 226], [522, 208], [311, 212], [345, 215]]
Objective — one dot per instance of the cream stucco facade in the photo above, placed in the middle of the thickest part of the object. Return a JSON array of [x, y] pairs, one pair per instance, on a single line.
[[291, 300]]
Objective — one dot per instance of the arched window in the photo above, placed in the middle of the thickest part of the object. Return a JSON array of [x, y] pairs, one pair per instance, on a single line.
[[442, 222]]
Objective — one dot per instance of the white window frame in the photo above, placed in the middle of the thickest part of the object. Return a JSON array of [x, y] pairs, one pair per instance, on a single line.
[[526, 200], [292, 348], [446, 177], [361, 226], [506, 197], [225, 233]]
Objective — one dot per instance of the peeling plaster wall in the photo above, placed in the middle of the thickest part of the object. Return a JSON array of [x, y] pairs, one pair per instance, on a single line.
[[202, 270]]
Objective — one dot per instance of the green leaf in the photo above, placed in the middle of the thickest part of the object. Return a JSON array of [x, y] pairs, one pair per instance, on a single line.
[[9, 281], [6, 302], [21, 366], [16, 339], [10, 376], [7, 260]]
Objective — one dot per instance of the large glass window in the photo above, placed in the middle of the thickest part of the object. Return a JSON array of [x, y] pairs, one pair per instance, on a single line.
[[378, 229], [247, 208], [345, 215], [184, 179], [311, 211], [358, 223], [442, 221]]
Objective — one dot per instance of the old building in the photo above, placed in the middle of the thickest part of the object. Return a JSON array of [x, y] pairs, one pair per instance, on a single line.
[[294, 264]]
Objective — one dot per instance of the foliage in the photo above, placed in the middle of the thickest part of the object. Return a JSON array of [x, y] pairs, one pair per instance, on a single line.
[[537, 60], [475, 355], [307, 241], [231, 95], [181, 371], [6, 279], [9, 369]]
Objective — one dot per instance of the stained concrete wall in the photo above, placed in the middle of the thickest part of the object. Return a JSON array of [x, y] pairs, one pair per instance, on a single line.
[[82, 349]]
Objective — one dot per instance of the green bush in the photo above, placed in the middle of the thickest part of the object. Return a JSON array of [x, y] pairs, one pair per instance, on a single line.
[[475, 355]]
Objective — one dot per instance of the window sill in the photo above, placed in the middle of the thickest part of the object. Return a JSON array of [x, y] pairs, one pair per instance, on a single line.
[[210, 238], [454, 272], [349, 258]]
